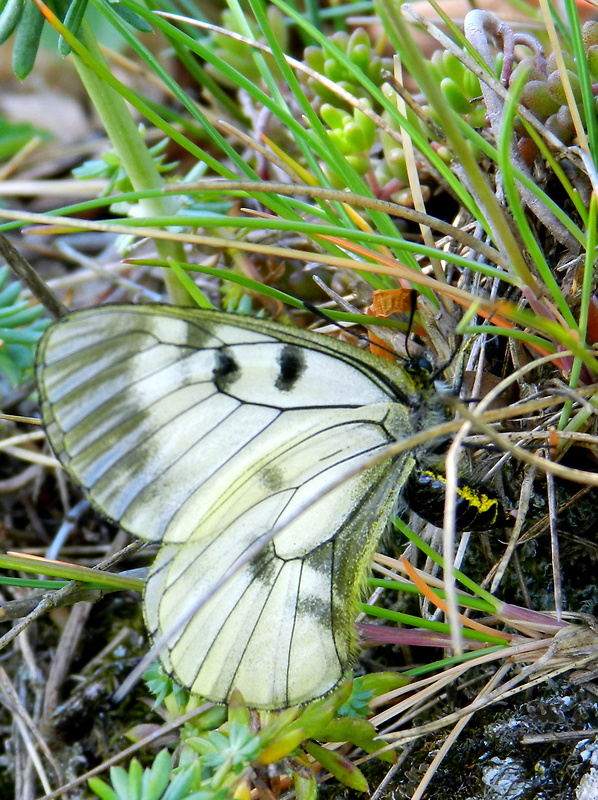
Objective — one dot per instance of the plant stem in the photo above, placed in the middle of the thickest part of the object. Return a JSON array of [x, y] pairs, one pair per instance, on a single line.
[[134, 156]]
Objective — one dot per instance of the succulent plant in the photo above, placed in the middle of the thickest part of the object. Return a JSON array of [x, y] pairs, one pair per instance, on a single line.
[[460, 87], [543, 92], [239, 55], [359, 49], [21, 326]]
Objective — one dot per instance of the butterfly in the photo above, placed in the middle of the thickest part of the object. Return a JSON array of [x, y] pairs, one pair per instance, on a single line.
[[246, 449]]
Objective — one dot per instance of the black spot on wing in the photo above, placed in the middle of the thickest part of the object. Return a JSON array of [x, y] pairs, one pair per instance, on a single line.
[[292, 367], [226, 370], [272, 478]]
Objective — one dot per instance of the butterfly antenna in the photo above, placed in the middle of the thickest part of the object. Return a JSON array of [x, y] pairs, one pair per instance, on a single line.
[[422, 361], [439, 370]]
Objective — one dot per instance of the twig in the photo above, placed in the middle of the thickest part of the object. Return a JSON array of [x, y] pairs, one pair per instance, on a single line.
[[25, 273]]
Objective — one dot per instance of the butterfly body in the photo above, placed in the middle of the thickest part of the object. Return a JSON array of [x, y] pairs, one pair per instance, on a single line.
[[247, 448]]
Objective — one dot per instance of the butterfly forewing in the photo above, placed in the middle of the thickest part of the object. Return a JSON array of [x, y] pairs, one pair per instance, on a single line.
[[206, 432]]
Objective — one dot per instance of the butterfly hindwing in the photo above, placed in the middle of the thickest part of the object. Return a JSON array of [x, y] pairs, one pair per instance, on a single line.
[[296, 600], [205, 432]]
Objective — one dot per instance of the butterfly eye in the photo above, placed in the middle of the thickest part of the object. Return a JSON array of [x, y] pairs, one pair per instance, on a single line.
[[420, 364]]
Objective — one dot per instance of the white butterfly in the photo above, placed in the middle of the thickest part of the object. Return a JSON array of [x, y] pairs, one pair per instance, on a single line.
[[205, 431]]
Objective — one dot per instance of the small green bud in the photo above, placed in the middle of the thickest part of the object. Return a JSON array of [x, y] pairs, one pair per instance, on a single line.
[[341, 40], [334, 70], [453, 68], [471, 85], [359, 38], [337, 135], [568, 59], [592, 53], [565, 119], [367, 126], [555, 126], [361, 55], [334, 117], [536, 96], [589, 33], [444, 153], [355, 138], [397, 167], [555, 86], [532, 73], [454, 96], [314, 58], [361, 164]]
